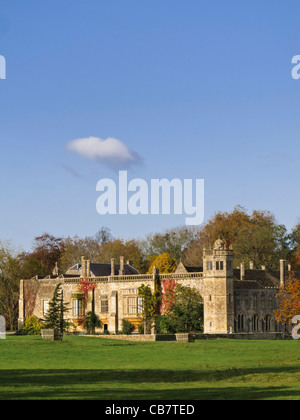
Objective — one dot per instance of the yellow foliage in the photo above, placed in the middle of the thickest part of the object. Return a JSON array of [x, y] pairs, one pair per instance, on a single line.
[[164, 263]]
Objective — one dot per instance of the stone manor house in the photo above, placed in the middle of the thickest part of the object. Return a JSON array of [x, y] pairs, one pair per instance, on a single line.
[[236, 300]]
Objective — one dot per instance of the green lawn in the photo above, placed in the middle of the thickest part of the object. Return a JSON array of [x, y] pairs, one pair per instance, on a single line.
[[95, 368]]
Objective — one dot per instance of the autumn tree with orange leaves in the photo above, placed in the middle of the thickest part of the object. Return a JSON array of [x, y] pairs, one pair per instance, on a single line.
[[288, 300]]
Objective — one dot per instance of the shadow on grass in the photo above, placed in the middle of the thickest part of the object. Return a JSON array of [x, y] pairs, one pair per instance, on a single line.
[[140, 384]]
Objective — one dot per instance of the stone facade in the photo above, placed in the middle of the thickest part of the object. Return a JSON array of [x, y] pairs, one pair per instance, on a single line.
[[235, 300]]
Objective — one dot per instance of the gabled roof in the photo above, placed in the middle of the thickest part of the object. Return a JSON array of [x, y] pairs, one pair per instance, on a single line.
[[258, 279], [181, 268], [99, 270], [193, 269], [102, 270]]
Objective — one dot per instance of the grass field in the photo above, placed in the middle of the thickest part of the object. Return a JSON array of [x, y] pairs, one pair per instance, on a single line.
[[84, 368]]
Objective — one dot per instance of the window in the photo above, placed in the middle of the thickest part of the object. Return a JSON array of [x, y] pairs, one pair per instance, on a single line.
[[132, 309], [130, 292], [139, 305], [77, 307], [219, 265], [241, 322], [104, 305], [209, 265], [268, 323], [133, 305], [255, 323], [45, 307]]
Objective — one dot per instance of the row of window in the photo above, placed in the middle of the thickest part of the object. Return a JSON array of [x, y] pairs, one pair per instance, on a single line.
[[219, 265], [131, 306], [254, 324]]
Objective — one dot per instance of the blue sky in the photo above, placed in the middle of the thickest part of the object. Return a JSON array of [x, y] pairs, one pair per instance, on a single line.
[[198, 89]]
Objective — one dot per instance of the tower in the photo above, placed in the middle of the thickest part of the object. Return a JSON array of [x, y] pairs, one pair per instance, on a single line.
[[218, 289]]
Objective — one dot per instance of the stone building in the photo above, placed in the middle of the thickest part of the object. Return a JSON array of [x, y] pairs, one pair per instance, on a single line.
[[235, 300]]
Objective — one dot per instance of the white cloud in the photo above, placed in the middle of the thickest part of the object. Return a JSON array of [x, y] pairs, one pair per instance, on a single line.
[[111, 152]]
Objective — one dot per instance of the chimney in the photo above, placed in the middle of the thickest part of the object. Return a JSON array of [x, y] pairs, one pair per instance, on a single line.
[[155, 273], [251, 265], [242, 271], [55, 271], [112, 263], [121, 272], [83, 267], [88, 268], [282, 272]]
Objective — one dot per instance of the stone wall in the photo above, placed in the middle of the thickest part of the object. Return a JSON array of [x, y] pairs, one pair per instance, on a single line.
[[137, 337], [192, 337], [245, 336]]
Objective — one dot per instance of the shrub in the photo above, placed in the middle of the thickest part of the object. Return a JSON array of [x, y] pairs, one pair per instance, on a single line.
[[141, 328], [32, 326], [127, 327], [91, 322], [166, 324]]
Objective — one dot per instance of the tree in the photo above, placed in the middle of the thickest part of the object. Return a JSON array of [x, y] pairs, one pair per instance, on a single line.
[[256, 244], [54, 318], [164, 263], [75, 248], [188, 309], [255, 237], [91, 322], [288, 300], [47, 250], [10, 275], [173, 242], [103, 236], [295, 240], [119, 248], [185, 314], [150, 303]]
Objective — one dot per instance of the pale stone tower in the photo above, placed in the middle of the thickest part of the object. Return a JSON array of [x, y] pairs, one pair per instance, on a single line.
[[218, 289]]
